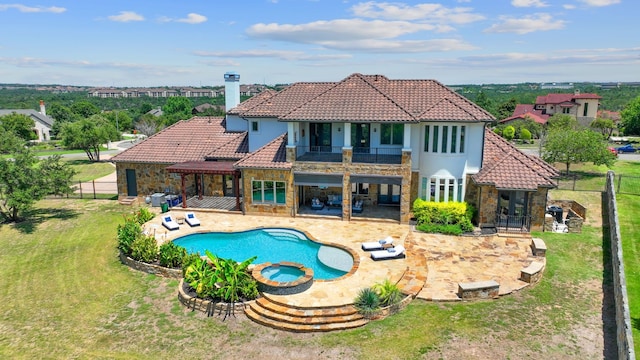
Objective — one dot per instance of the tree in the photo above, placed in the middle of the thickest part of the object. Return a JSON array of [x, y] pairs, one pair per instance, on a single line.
[[84, 109], [148, 124], [25, 179], [88, 135], [604, 126], [630, 117], [509, 132], [575, 146], [19, 124], [484, 102], [119, 119], [506, 109], [177, 108], [9, 141], [61, 114], [562, 121], [525, 135]]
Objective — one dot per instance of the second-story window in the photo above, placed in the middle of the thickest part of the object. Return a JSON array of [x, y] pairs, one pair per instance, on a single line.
[[254, 126], [586, 109], [391, 134]]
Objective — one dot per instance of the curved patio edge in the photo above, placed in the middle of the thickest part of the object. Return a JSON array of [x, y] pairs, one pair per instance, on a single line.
[[150, 268], [209, 307]]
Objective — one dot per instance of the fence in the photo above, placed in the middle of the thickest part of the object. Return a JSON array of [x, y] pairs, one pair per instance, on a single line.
[[625, 184], [93, 190]]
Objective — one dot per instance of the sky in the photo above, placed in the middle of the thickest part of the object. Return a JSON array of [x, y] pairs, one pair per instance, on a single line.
[[194, 42]]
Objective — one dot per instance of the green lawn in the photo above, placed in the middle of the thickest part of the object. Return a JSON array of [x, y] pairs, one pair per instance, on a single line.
[[66, 295], [87, 170], [629, 208]]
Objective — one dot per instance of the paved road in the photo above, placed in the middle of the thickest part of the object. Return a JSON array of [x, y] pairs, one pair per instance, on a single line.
[[625, 156]]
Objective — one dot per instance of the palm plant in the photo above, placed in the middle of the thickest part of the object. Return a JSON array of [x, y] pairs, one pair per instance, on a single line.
[[367, 302], [388, 292]]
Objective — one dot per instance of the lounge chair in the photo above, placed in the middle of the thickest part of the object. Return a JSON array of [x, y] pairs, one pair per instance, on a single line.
[[357, 206], [377, 245], [316, 204], [390, 253], [191, 219], [169, 222]]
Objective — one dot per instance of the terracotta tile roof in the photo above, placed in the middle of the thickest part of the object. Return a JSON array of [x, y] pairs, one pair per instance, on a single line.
[[271, 156], [252, 102], [236, 148], [369, 98], [287, 99], [523, 111], [187, 140], [560, 98], [506, 167]]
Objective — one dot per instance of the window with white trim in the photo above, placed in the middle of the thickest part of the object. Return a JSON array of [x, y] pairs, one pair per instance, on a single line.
[[442, 189], [391, 134], [444, 139]]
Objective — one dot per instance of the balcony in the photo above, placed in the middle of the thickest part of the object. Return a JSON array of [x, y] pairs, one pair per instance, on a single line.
[[360, 155]]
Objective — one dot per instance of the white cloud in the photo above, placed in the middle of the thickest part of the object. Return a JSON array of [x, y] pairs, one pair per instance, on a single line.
[[193, 18], [569, 6], [529, 3], [401, 46], [337, 30], [599, 3], [276, 54], [33, 9], [526, 24], [126, 16], [425, 12]]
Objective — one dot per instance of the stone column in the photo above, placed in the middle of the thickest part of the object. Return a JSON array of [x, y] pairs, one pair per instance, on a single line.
[[291, 153], [347, 155], [405, 195], [346, 196]]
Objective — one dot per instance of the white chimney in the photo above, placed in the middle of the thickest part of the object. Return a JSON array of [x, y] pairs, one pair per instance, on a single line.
[[43, 110], [231, 90]]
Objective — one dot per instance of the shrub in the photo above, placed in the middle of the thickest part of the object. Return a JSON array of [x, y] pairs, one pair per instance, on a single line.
[[449, 218], [127, 233], [144, 248], [388, 292], [509, 132], [143, 215], [525, 135], [171, 255], [367, 302], [188, 260]]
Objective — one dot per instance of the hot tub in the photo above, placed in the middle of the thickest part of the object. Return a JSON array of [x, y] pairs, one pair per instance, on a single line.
[[283, 278]]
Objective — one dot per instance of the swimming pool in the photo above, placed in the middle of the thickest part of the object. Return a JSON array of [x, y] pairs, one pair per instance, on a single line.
[[272, 245]]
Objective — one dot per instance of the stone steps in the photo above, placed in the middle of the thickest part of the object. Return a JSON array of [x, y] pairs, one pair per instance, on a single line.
[[280, 316], [130, 200]]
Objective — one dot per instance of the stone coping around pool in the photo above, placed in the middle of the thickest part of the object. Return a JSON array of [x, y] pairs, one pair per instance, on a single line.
[[209, 307], [283, 288], [352, 252], [150, 268]]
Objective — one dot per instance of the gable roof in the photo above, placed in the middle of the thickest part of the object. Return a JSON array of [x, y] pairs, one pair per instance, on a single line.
[[273, 155], [35, 115], [562, 98], [368, 98], [506, 167], [253, 101], [186, 140], [523, 111]]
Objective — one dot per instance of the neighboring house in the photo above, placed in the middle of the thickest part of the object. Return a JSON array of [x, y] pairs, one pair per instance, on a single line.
[[584, 107], [526, 112], [384, 142], [42, 123], [206, 106]]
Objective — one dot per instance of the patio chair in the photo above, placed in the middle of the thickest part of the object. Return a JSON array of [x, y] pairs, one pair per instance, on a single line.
[[357, 206], [390, 253], [169, 222], [316, 204], [377, 245], [191, 219]]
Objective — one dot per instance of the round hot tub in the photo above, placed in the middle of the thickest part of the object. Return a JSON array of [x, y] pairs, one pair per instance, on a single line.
[[283, 278]]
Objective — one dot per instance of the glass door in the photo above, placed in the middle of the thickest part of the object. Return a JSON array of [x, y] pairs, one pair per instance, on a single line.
[[360, 138], [389, 194], [320, 137]]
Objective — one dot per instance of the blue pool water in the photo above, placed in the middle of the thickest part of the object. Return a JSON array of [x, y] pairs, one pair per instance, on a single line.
[[282, 273], [269, 245]]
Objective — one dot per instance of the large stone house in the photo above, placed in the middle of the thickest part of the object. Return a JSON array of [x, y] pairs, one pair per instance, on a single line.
[[365, 139], [582, 106]]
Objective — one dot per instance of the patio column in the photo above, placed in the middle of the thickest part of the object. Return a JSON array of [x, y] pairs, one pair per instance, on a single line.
[[347, 134], [406, 143], [291, 134], [236, 187], [184, 192]]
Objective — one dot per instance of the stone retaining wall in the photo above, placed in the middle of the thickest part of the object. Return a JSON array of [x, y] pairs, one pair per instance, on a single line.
[[623, 316], [207, 306], [151, 268]]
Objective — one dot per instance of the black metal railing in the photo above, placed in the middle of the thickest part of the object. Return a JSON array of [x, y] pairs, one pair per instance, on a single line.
[[377, 155], [319, 153], [513, 223]]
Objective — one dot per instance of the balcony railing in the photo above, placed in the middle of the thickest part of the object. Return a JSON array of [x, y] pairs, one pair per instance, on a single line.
[[377, 155], [319, 153], [360, 155], [513, 223]]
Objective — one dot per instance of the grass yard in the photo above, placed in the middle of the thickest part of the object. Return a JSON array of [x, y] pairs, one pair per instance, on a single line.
[[87, 170], [66, 295]]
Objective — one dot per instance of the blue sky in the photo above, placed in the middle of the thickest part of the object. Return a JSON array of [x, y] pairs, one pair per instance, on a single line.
[[193, 43]]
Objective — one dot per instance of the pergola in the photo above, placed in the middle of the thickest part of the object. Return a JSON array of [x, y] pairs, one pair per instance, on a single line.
[[206, 167]]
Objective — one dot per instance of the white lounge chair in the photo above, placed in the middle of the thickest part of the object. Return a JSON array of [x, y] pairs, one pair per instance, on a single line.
[[377, 245], [390, 253], [191, 219], [169, 222]]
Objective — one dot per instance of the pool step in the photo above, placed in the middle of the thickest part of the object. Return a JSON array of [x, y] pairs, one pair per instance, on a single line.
[[297, 319]]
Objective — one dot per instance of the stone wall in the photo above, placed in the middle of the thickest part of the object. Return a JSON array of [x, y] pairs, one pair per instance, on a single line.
[[151, 268], [487, 204], [285, 175], [537, 208], [152, 178], [573, 213], [623, 316]]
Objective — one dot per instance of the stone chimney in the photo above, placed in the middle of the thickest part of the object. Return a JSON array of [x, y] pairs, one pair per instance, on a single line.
[[576, 92], [231, 90], [43, 110]]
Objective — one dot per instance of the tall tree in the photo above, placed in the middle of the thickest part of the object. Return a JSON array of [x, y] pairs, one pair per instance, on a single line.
[[9, 141], [84, 109], [506, 109], [89, 134], [570, 146], [25, 179], [562, 121], [630, 117], [177, 108], [19, 124], [604, 126]]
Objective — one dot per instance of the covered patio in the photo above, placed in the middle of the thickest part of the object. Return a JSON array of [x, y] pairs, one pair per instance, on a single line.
[[199, 168]]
